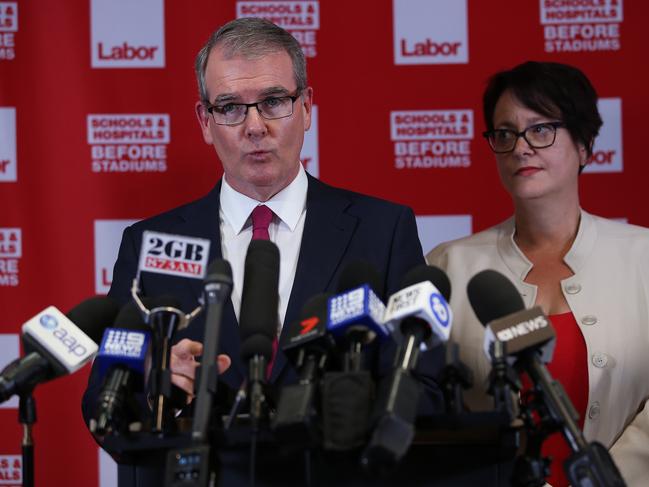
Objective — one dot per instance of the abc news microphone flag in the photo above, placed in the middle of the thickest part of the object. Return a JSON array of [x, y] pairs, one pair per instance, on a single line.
[[97, 131]]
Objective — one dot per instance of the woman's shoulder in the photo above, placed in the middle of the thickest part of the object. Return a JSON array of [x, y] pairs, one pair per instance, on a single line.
[[478, 243], [619, 229]]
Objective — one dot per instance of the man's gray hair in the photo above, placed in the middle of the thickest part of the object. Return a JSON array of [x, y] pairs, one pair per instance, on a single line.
[[251, 37]]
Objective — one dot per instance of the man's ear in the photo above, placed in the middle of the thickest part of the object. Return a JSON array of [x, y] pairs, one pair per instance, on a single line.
[[306, 104], [203, 118]]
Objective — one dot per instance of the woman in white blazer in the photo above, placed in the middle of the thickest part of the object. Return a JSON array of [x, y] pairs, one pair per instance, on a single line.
[[589, 274]]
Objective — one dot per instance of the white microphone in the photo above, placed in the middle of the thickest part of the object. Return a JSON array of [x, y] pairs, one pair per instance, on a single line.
[[421, 306], [56, 345], [420, 318], [53, 334]]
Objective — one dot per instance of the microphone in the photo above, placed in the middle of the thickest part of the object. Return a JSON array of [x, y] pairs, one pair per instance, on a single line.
[[258, 318], [196, 462], [420, 317], [217, 289], [307, 345], [354, 318], [355, 315], [56, 345], [498, 305], [258, 323], [123, 361], [508, 320], [492, 304]]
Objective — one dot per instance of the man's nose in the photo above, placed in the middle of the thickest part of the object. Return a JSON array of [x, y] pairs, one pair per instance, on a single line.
[[255, 123]]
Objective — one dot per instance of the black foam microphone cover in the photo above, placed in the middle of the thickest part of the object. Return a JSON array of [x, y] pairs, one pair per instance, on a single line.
[[435, 275], [94, 315], [493, 296], [259, 299], [257, 345], [346, 409], [356, 274], [219, 270], [316, 305], [130, 316]]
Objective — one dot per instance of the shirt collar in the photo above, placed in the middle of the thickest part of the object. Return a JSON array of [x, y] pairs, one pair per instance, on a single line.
[[288, 204]]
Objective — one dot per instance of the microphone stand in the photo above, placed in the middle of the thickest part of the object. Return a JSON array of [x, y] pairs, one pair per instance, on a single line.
[[27, 417], [165, 321], [15, 383], [352, 359], [531, 469], [503, 380], [455, 378], [590, 465], [257, 373]]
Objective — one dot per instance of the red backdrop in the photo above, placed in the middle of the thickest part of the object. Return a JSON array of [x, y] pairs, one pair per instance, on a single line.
[[97, 128]]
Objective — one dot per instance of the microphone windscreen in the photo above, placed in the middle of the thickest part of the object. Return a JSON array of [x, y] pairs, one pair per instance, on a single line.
[[316, 306], [260, 295], [310, 329], [93, 315], [358, 273], [435, 275], [493, 296], [256, 345], [130, 316], [219, 270]]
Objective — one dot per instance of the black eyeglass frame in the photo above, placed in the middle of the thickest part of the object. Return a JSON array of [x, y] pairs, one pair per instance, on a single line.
[[293, 98], [555, 125]]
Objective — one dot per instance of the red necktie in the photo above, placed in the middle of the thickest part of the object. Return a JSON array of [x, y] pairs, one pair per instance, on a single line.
[[261, 218]]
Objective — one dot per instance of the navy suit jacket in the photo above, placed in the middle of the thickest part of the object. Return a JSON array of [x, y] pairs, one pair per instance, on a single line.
[[341, 227]]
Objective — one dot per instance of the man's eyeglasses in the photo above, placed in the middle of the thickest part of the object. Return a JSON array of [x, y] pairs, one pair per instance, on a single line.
[[270, 108], [538, 136]]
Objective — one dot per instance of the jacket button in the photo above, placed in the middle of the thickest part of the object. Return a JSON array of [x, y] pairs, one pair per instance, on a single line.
[[589, 320], [599, 360], [573, 288], [593, 412]]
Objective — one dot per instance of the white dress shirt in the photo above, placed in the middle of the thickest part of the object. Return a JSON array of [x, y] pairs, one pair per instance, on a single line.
[[285, 230]]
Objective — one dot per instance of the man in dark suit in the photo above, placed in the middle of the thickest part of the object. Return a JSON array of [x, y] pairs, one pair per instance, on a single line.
[[255, 107]]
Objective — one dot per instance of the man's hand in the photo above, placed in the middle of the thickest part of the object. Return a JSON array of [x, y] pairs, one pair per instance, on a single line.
[[183, 364]]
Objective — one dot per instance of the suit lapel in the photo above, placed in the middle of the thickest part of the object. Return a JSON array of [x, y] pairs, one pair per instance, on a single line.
[[327, 232], [203, 220]]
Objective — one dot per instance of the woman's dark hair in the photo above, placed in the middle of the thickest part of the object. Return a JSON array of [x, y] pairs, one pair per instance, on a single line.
[[554, 90]]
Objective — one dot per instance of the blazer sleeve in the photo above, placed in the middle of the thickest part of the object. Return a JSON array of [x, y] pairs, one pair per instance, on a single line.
[[405, 252], [125, 267], [630, 451]]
